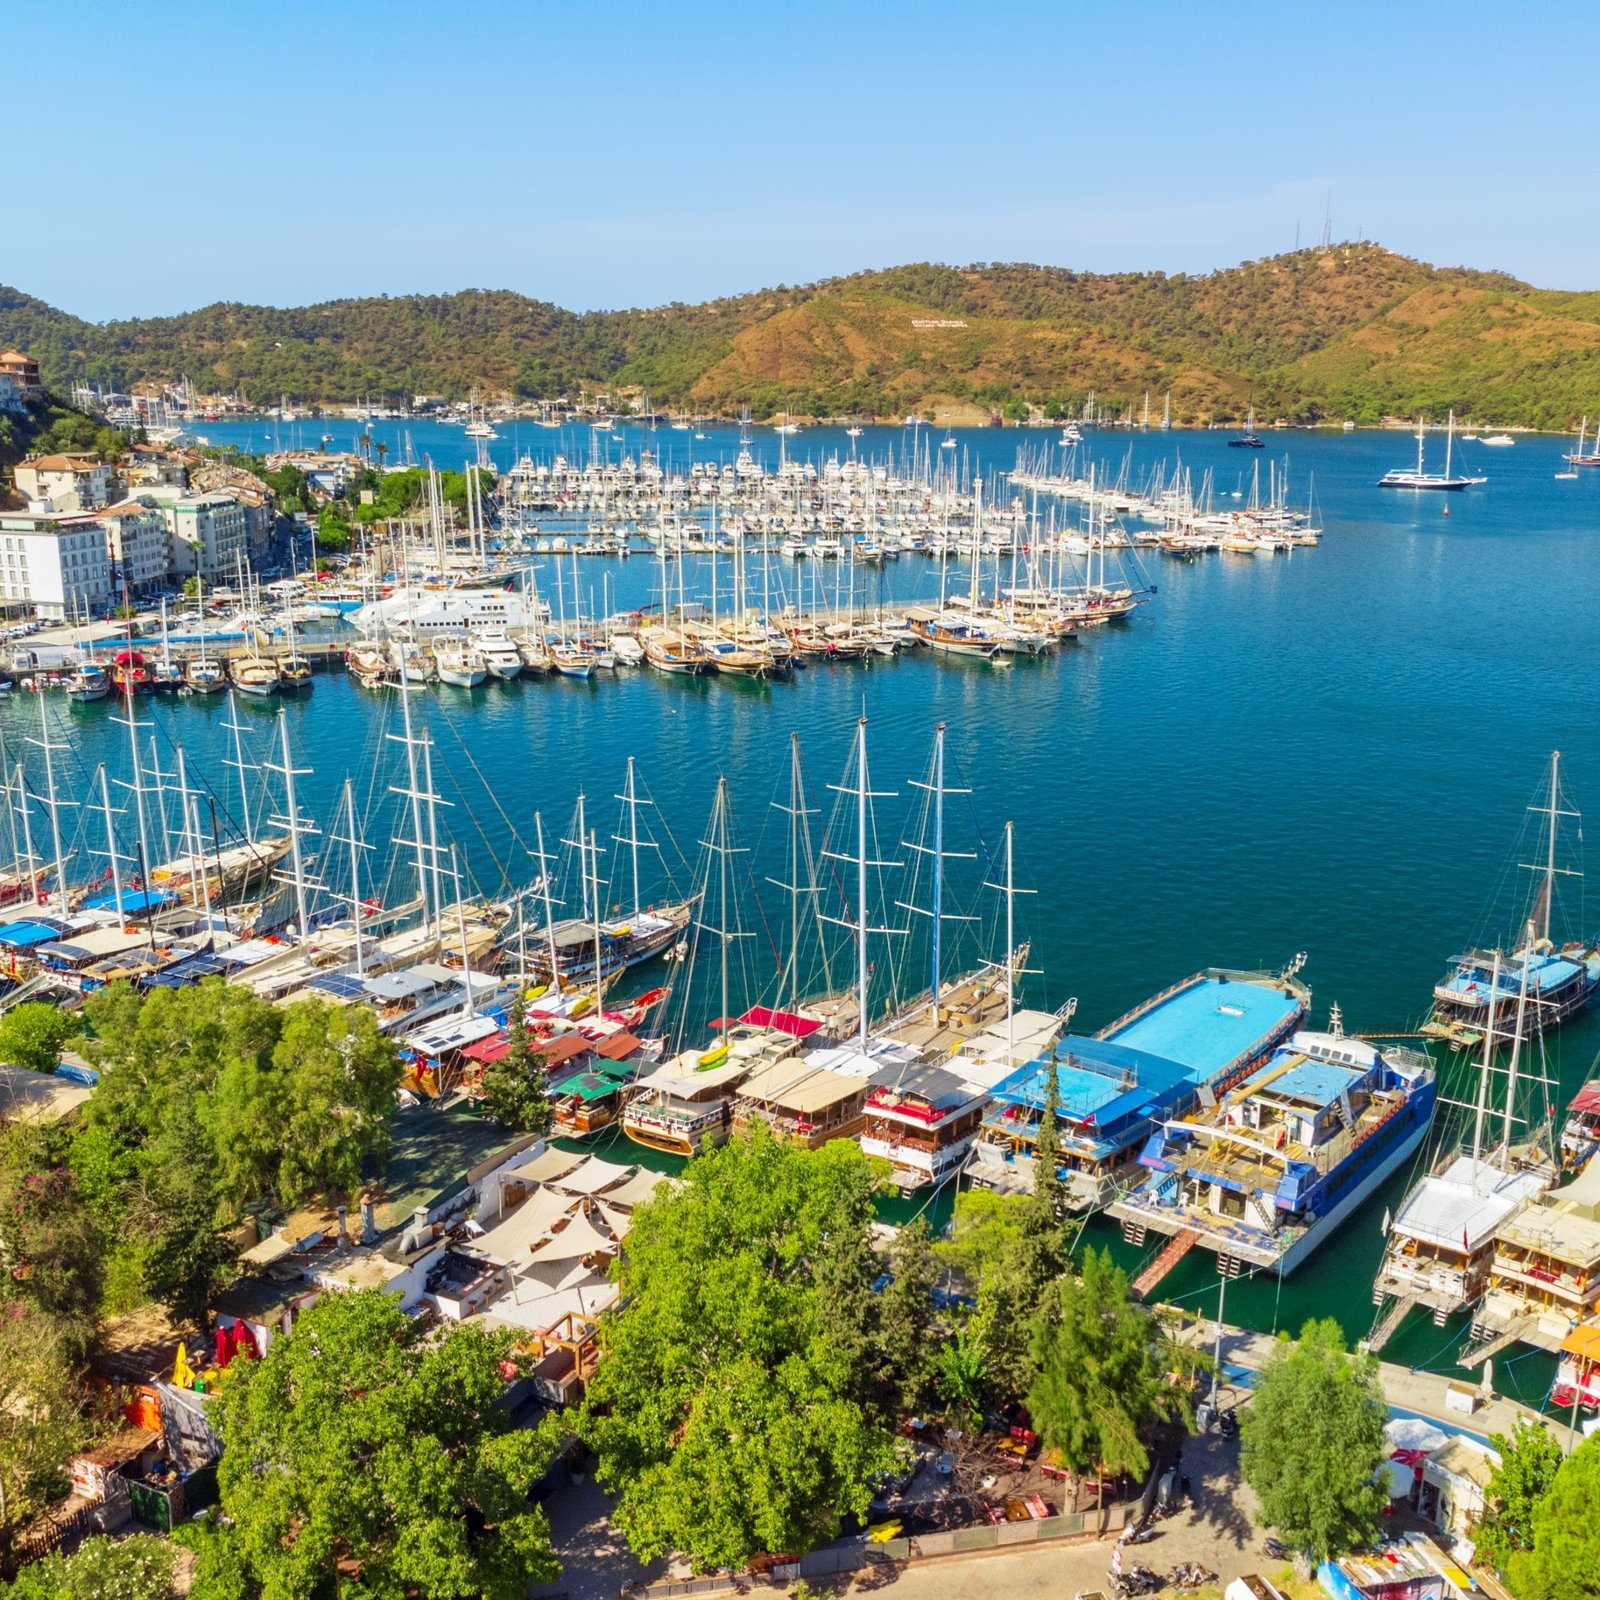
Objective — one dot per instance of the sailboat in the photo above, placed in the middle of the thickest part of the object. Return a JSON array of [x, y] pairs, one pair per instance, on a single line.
[[1581, 457], [1407, 478], [1249, 439], [1561, 980], [1440, 1244]]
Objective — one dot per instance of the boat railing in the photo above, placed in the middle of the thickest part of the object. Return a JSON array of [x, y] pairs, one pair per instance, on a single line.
[[1149, 1005]]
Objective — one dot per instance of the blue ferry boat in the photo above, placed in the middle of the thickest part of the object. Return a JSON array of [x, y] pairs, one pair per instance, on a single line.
[[1194, 1040], [1267, 1172]]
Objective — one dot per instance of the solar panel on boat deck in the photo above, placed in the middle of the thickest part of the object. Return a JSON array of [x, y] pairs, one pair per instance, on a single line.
[[343, 984]]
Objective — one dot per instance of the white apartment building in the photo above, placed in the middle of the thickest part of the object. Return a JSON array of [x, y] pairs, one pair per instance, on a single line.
[[209, 535], [63, 482], [57, 566], [137, 544]]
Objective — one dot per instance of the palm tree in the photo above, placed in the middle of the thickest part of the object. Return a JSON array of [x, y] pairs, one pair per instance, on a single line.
[[382, 452]]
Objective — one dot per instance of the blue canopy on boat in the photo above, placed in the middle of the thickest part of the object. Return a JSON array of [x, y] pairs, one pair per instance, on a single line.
[[23, 935], [135, 902]]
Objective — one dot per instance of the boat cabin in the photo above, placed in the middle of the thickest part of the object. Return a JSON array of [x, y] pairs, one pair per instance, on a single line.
[[1109, 1096], [923, 1119]]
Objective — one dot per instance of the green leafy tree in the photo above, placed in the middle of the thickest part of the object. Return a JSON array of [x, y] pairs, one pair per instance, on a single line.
[[41, 1416], [1047, 1186], [50, 1243], [361, 1442], [32, 1035], [1529, 1462], [905, 1341], [1010, 1258], [1312, 1440], [1102, 1382], [516, 1088], [139, 1568], [961, 1374], [1563, 1562], [723, 1410]]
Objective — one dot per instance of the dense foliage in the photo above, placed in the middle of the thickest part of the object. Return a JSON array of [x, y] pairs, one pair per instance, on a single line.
[[1563, 1560], [361, 1444], [211, 1101], [41, 1421], [1312, 1440], [32, 1035], [1351, 331], [142, 1567], [729, 1412], [516, 1090], [1529, 1461], [1102, 1372]]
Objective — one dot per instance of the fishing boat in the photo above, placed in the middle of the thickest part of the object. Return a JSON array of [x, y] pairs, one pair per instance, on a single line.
[[1561, 979], [371, 665], [254, 675], [1264, 1174], [294, 675], [87, 682], [570, 660], [205, 675], [130, 673], [166, 676], [1408, 478]]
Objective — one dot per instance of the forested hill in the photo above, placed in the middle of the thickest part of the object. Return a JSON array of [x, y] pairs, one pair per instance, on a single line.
[[1351, 331]]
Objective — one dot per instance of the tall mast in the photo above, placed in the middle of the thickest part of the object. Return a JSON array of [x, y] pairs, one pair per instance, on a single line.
[[863, 794], [1516, 1051], [354, 841], [632, 804], [937, 789], [289, 772], [111, 842], [137, 785], [549, 910], [1488, 1056], [1011, 943], [45, 744], [238, 765], [411, 791], [31, 871], [799, 854]]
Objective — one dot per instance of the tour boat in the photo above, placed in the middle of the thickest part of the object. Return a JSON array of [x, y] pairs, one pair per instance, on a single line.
[[205, 675], [1264, 1175], [294, 675], [459, 663], [499, 654], [1580, 1133], [129, 673]]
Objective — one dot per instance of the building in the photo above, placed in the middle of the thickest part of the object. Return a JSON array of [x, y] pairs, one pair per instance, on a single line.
[[73, 482], [137, 544], [23, 373], [209, 536], [56, 565], [11, 395]]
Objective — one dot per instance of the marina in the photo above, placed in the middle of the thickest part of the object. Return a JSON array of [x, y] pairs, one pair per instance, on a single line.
[[1102, 729]]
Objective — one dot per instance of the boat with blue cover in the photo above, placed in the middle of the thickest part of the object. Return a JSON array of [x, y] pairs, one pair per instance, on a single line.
[[1194, 1039], [1561, 978], [1263, 1175]]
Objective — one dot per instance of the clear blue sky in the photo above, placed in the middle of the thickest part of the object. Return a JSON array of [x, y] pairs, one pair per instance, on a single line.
[[165, 156]]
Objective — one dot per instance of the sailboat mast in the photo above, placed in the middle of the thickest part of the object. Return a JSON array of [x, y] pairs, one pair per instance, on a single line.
[[1482, 1108], [633, 834], [1550, 847], [861, 880], [720, 834], [938, 856], [54, 804], [544, 888], [355, 870], [296, 857], [1011, 931], [1516, 1052], [111, 842]]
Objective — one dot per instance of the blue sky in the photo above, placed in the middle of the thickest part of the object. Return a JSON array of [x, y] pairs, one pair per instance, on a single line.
[[620, 154]]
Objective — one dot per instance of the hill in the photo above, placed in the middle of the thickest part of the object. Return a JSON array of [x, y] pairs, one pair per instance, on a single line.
[[1350, 331]]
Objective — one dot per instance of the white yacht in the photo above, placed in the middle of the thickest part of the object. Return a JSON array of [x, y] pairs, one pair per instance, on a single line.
[[499, 653]]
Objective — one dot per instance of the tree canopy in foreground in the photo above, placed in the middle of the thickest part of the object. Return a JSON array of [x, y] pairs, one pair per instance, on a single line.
[[727, 1411], [1312, 1439], [361, 1444], [1563, 1560]]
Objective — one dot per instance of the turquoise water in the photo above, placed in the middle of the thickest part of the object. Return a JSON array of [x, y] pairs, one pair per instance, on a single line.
[[1326, 752]]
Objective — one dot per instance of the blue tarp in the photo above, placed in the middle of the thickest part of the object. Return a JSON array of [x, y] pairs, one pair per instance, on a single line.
[[23, 935], [135, 902]]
